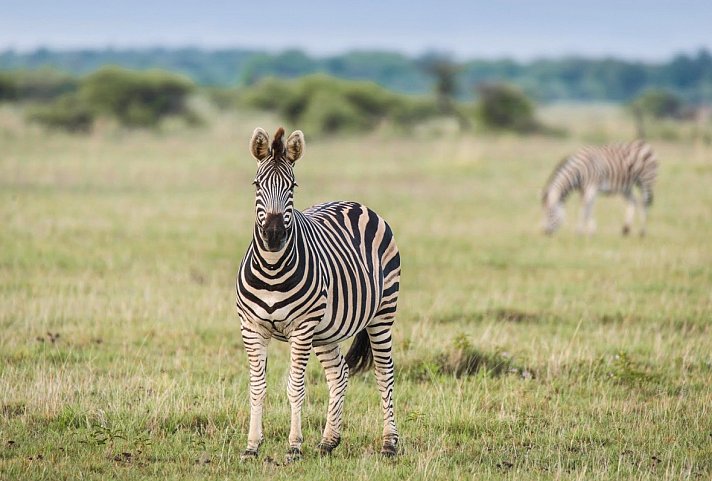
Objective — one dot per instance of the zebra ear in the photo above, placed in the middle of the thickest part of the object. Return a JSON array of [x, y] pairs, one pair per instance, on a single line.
[[259, 144], [295, 146]]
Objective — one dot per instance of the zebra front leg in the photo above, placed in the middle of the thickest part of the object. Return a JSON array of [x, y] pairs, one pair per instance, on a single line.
[[337, 378], [300, 348], [256, 348], [379, 333], [629, 212], [587, 225]]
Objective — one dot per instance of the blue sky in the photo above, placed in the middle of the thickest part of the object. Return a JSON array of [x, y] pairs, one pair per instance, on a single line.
[[647, 30]]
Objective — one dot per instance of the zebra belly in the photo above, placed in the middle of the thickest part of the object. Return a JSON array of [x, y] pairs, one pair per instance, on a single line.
[[344, 319], [351, 236]]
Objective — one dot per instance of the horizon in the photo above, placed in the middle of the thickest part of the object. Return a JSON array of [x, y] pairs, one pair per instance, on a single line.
[[633, 30], [691, 52]]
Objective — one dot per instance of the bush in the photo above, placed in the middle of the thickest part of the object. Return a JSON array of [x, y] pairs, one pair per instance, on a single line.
[[414, 110], [268, 94], [223, 98], [8, 87], [68, 113], [505, 107], [44, 84], [659, 104], [460, 359], [372, 100], [324, 104], [136, 99], [328, 112]]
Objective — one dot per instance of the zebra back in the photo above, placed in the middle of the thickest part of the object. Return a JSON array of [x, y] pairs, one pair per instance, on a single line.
[[614, 168]]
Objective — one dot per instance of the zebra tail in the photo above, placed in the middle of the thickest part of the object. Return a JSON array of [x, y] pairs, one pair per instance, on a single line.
[[360, 357]]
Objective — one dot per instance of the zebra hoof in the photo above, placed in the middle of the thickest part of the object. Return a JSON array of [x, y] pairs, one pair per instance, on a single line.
[[389, 450], [326, 447], [248, 455], [293, 455], [626, 230]]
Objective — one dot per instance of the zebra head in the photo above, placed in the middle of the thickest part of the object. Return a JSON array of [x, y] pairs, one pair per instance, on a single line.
[[553, 211], [274, 184]]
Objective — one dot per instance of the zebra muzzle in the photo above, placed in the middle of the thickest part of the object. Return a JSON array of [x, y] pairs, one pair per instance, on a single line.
[[274, 232]]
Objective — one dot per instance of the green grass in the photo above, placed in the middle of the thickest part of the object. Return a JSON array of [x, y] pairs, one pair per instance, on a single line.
[[519, 356]]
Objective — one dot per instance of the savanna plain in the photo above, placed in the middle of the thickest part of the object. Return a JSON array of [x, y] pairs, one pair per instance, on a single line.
[[518, 356]]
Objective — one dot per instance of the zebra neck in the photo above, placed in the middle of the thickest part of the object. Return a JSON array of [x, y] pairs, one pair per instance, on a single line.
[[275, 261], [563, 183]]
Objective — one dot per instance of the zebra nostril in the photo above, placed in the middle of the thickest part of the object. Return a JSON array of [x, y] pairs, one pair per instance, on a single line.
[[276, 233]]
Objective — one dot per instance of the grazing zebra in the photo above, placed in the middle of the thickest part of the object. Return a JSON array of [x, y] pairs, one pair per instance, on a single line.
[[314, 279], [609, 169]]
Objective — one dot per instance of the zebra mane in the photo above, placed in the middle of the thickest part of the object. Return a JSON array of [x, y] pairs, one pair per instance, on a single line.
[[278, 149]]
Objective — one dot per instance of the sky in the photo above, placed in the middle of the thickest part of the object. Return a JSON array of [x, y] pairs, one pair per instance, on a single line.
[[642, 30]]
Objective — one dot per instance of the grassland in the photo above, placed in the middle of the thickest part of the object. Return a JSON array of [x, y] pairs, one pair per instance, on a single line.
[[519, 356]]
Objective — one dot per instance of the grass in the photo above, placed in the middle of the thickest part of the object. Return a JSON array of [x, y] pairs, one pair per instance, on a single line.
[[519, 356]]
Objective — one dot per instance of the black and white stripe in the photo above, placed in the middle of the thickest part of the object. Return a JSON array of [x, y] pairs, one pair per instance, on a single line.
[[608, 169], [314, 279]]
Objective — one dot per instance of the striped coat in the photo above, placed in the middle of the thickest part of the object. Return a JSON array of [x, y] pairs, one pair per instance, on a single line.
[[314, 279], [608, 169]]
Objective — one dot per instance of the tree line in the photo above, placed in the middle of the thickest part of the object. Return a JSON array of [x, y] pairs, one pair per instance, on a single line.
[[688, 76], [319, 103]]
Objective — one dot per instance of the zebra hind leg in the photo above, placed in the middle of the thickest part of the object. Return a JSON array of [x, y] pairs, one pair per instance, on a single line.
[[337, 378], [587, 224], [629, 212], [646, 200], [379, 333]]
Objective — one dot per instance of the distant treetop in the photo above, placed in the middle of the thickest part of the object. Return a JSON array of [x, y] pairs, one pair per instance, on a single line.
[[571, 78]]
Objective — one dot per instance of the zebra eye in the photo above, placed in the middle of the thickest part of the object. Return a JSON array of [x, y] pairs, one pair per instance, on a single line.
[[294, 184], [256, 183]]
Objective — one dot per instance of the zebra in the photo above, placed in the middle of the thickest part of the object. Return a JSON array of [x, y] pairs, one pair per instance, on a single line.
[[314, 279], [608, 169]]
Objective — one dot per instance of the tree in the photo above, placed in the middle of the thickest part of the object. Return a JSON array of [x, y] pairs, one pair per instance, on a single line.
[[505, 107], [444, 72], [656, 104], [659, 104]]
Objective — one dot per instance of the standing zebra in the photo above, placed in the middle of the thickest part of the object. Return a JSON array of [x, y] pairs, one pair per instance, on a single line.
[[314, 279], [609, 169]]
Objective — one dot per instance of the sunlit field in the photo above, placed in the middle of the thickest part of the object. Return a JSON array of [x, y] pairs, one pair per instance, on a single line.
[[518, 356]]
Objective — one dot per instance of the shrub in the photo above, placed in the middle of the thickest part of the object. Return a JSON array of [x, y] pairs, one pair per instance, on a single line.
[[505, 107], [222, 98], [136, 99], [8, 87], [461, 358], [464, 359], [328, 112], [268, 94], [43, 84], [414, 110], [659, 104], [371, 100], [68, 113], [324, 104]]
